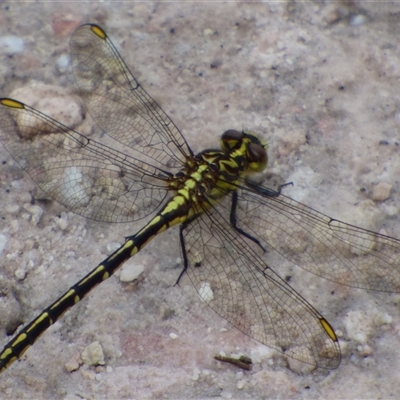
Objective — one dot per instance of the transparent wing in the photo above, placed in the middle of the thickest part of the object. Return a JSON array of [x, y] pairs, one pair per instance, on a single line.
[[87, 177], [237, 284], [326, 247], [117, 102]]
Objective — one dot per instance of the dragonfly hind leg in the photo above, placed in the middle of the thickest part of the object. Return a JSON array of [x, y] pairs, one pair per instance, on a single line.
[[232, 219], [183, 251], [264, 192]]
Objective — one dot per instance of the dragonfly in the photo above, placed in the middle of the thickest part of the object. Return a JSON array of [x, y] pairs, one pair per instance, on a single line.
[[228, 223]]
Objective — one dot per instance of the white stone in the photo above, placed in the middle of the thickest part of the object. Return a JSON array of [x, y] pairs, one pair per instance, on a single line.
[[130, 272], [93, 354]]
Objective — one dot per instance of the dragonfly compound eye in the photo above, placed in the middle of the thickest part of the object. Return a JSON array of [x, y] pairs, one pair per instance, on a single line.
[[230, 139], [257, 157]]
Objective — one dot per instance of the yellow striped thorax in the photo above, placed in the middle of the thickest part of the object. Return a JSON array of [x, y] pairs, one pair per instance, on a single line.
[[212, 173]]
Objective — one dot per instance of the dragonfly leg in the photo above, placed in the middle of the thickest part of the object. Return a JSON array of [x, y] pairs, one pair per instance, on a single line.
[[233, 222], [183, 251], [264, 191]]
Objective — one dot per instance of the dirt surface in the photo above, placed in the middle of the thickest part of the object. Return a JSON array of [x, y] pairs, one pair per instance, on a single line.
[[319, 81]]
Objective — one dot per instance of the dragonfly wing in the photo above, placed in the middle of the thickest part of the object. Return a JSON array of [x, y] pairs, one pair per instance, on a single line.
[[117, 102], [239, 286], [326, 247], [88, 178]]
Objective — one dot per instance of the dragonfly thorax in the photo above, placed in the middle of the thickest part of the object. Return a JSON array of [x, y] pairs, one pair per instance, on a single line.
[[211, 174]]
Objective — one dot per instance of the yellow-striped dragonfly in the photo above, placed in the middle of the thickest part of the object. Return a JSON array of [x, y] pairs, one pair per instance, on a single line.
[[228, 223]]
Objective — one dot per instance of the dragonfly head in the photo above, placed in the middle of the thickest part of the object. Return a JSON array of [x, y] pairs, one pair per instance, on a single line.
[[248, 146]]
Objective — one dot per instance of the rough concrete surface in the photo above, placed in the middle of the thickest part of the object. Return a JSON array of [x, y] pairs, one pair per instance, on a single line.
[[319, 81]]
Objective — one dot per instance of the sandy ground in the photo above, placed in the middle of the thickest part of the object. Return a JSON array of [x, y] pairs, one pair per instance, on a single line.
[[320, 82]]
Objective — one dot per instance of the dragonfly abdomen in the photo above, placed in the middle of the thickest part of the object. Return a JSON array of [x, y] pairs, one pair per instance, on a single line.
[[174, 212], [17, 347]]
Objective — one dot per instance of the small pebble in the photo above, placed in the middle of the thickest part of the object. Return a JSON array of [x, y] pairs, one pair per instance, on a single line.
[[93, 354], [358, 20], [73, 363], [130, 272], [11, 45], [241, 384], [20, 274], [62, 62], [381, 191]]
